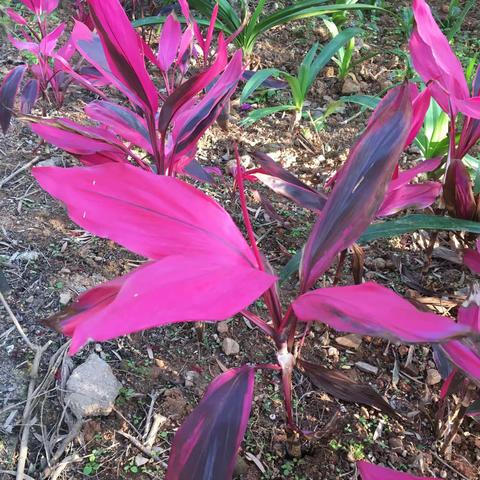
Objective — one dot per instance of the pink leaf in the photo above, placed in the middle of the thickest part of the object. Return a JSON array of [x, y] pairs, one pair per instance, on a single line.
[[169, 42], [8, 92], [24, 45], [49, 42], [471, 258], [187, 90], [178, 288], [469, 107], [420, 105], [370, 309], [359, 192], [458, 191], [122, 48], [208, 440], [18, 19], [184, 50], [432, 56], [418, 196], [122, 121], [465, 355], [152, 215], [195, 122], [369, 471]]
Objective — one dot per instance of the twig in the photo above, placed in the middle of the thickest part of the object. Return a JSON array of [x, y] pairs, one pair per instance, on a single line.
[[148, 421], [20, 170], [453, 469], [138, 445], [158, 421], [13, 473], [30, 345]]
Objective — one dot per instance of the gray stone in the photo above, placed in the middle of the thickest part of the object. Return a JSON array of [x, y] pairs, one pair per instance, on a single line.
[[230, 346], [92, 388], [366, 367], [65, 298], [222, 327], [433, 376]]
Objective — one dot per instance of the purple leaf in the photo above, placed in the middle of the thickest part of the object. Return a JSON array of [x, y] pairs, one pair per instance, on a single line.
[[458, 191], [122, 121], [370, 309], [208, 440], [359, 192], [281, 181], [471, 258], [8, 92], [187, 90], [340, 385], [29, 96]]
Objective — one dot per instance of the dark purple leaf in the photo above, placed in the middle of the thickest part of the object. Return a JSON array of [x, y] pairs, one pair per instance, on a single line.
[[8, 92], [195, 170], [205, 446], [359, 192], [340, 385], [29, 96], [284, 183]]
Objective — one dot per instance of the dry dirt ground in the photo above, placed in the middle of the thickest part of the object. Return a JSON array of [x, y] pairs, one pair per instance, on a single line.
[[47, 260]]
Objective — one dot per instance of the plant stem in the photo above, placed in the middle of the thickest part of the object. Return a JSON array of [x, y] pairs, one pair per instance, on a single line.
[[246, 217]]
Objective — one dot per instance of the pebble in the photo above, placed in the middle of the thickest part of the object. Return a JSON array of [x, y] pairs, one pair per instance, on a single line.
[[352, 340], [350, 86], [65, 298], [222, 327], [230, 346], [366, 367], [191, 378], [433, 376]]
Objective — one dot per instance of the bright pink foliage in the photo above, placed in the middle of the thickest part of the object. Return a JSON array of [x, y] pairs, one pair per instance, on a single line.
[[369, 471]]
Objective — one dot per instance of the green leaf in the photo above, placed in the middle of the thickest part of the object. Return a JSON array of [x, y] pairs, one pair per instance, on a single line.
[[87, 469], [412, 223], [368, 101], [256, 80], [291, 267], [264, 112]]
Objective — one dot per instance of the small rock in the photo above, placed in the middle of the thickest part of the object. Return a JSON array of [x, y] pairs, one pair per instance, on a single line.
[[222, 327], [333, 352], [367, 368], [140, 461], [191, 378], [433, 376], [350, 86], [92, 388], [51, 162], [445, 8], [65, 298], [379, 264], [352, 340], [230, 346], [396, 443]]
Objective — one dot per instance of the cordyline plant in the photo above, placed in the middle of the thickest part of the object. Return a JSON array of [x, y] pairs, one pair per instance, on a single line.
[[202, 269], [34, 36], [441, 70], [164, 124]]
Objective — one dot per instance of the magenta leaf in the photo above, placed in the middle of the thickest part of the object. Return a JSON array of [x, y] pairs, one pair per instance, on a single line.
[[187, 90], [122, 121], [340, 385], [281, 181], [122, 48], [419, 196], [370, 309], [359, 192], [177, 288], [208, 440], [471, 258], [14, 16], [169, 42], [154, 216], [195, 121], [434, 59], [369, 471], [458, 191], [79, 139], [8, 92], [49, 42], [29, 96]]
